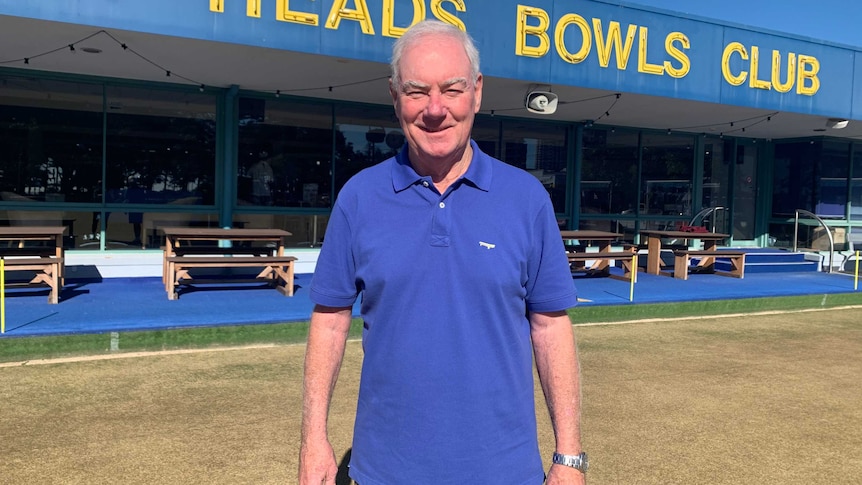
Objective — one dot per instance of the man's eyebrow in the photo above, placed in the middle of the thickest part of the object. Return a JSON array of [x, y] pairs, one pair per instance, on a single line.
[[454, 81], [408, 85]]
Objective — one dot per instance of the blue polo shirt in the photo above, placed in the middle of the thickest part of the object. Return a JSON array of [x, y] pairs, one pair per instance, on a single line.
[[447, 394]]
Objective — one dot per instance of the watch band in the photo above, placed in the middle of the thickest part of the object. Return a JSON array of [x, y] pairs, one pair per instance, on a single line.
[[578, 462]]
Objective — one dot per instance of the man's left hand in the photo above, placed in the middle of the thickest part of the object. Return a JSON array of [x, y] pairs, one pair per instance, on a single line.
[[565, 475]]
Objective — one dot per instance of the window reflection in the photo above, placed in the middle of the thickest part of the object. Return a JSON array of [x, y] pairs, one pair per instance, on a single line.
[[609, 174], [667, 167], [486, 134], [160, 147], [285, 152], [793, 177], [541, 150], [856, 186], [364, 137], [834, 177], [50, 140]]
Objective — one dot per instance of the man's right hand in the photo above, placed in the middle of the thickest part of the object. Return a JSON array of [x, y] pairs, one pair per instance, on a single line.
[[317, 464]]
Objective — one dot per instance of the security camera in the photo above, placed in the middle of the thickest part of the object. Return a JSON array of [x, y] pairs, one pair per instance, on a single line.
[[837, 123], [541, 102]]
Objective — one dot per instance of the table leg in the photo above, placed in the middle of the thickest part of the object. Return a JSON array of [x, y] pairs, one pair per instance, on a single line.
[[653, 255]]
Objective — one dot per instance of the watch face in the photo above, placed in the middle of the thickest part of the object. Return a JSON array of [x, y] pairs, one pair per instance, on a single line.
[[585, 462]]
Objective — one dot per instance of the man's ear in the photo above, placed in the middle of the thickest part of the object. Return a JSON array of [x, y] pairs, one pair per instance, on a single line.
[[478, 90]]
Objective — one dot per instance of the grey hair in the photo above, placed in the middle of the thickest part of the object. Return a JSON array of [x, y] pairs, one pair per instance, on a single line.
[[433, 28]]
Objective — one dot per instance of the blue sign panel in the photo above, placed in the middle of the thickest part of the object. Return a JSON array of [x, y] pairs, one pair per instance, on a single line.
[[588, 43]]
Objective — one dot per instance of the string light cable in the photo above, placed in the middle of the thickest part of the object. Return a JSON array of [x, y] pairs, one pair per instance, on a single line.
[[125, 47], [169, 72], [616, 97], [734, 125]]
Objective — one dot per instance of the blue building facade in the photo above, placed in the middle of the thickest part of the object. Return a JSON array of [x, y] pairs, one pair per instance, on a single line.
[[118, 118]]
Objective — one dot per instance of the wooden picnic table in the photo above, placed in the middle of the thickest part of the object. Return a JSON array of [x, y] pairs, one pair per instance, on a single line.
[[601, 259], [603, 237], [654, 244], [205, 247], [38, 249]]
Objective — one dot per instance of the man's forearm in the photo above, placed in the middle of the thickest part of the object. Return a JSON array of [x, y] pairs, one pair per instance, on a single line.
[[327, 337], [559, 374]]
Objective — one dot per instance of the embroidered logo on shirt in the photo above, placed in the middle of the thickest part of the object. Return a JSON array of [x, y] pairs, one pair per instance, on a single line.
[[487, 245]]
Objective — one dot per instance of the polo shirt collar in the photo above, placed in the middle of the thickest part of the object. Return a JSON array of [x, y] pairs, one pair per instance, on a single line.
[[478, 174]]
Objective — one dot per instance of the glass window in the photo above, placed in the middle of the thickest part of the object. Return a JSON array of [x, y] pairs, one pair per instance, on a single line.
[[160, 147], [668, 162], [50, 152], [856, 184], [794, 177], [610, 172], [285, 153], [717, 154], [540, 149], [50, 140], [364, 136], [833, 179], [486, 134]]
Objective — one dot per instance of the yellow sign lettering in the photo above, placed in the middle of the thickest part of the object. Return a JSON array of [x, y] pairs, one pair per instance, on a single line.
[[729, 50], [787, 85], [802, 70], [389, 29], [285, 14], [644, 66], [586, 38], [677, 54], [809, 66], [443, 15], [360, 14], [252, 7], [539, 31], [613, 42], [754, 67]]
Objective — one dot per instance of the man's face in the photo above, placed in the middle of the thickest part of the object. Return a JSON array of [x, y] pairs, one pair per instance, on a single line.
[[437, 100]]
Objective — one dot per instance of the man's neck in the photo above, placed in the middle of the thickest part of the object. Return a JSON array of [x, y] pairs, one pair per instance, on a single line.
[[445, 172]]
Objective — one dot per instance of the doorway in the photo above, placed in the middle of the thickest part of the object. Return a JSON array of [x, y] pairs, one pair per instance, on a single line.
[[745, 192]]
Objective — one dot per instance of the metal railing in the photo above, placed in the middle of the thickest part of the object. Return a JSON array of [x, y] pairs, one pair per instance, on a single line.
[[705, 212], [822, 224]]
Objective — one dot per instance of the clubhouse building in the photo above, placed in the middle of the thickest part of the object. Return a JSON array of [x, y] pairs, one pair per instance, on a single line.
[[117, 118]]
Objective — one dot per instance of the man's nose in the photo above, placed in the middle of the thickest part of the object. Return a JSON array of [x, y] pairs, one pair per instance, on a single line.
[[436, 106]]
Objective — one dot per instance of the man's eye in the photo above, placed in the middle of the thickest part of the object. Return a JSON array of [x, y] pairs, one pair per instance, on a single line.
[[415, 94]]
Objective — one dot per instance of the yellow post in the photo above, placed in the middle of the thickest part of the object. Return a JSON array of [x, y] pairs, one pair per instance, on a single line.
[[2, 295], [856, 278], [634, 275]]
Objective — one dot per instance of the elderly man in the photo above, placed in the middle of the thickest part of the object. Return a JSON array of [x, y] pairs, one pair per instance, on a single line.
[[463, 277]]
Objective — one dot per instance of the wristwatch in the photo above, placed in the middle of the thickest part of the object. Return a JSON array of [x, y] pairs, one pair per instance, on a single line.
[[579, 461]]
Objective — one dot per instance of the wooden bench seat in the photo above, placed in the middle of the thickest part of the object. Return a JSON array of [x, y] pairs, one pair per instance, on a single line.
[[277, 270], [49, 271], [215, 251], [682, 263], [601, 266]]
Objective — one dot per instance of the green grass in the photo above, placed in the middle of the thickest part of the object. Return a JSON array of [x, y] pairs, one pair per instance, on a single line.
[[617, 313], [29, 348]]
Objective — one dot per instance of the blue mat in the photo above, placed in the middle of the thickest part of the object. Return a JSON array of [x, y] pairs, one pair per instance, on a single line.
[[699, 287], [131, 304]]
